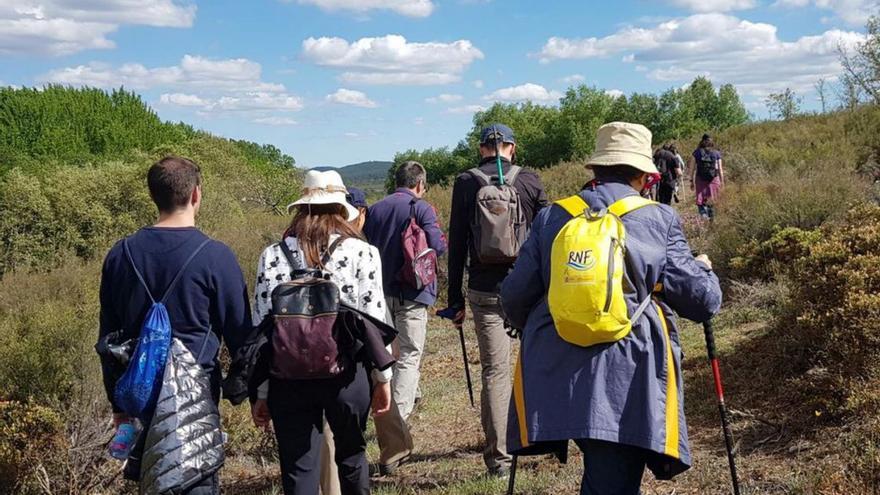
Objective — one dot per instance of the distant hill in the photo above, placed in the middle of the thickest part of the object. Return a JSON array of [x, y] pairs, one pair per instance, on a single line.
[[369, 176]]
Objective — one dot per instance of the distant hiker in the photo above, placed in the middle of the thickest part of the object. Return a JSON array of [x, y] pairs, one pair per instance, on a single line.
[[388, 223], [330, 379], [670, 172], [487, 226], [201, 285], [584, 373], [358, 199], [707, 176]]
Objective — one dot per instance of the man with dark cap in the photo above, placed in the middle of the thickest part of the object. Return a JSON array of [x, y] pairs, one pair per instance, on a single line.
[[497, 150]]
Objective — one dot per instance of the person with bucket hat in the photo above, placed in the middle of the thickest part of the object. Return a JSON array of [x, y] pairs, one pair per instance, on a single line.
[[606, 371], [321, 235], [493, 206]]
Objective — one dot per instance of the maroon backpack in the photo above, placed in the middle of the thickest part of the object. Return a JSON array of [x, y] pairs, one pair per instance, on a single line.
[[419, 260], [306, 342]]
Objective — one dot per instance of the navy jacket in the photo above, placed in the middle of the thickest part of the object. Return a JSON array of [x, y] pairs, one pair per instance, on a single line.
[[630, 391], [385, 223], [209, 304]]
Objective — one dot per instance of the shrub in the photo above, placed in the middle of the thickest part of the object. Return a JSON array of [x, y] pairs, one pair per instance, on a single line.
[[27, 432]]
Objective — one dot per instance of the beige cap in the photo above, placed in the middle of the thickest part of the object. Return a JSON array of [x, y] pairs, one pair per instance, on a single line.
[[622, 143]]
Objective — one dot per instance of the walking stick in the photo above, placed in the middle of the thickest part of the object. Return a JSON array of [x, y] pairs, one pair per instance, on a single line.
[[719, 393], [467, 368], [512, 481]]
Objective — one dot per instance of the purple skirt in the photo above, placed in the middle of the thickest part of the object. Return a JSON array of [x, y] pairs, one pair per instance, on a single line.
[[707, 192]]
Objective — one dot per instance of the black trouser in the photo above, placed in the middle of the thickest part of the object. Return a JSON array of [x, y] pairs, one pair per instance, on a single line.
[[665, 193], [298, 409], [612, 468]]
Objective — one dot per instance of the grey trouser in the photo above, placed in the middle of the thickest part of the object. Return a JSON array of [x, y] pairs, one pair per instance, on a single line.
[[410, 319], [495, 362]]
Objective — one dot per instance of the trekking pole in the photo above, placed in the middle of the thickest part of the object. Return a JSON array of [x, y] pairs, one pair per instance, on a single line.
[[497, 158], [512, 481], [719, 393], [467, 369]]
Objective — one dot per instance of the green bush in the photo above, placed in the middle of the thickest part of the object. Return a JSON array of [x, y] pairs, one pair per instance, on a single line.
[[27, 432]]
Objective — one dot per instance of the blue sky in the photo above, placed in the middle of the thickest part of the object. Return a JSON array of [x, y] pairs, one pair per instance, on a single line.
[[334, 82]]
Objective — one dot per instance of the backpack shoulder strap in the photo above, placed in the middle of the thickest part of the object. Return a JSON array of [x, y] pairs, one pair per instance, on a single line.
[[481, 177], [628, 204], [574, 205], [512, 174], [182, 269], [136, 271], [332, 247], [288, 255]]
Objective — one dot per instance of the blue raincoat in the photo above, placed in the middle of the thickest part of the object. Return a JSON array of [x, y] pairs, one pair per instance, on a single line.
[[629, 391]]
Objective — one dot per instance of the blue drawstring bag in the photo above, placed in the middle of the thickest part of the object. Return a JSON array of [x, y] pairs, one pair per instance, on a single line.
[[138, 389]]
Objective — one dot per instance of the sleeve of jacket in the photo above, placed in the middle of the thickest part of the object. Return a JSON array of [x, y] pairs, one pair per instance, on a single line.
[[539, 195], [109, 323], [458, 242], [232, 309], [524, 286], [428, 223], [689, 286]]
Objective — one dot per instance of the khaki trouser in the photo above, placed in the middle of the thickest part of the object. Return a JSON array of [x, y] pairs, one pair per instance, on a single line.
[[495, 363], [329, 472], [410, 319]]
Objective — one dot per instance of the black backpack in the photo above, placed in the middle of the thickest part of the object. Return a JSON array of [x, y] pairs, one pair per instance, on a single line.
[[707, 166], [306, 342], [664, 163]]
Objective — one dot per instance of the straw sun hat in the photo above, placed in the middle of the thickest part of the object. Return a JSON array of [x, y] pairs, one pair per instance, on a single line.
[[325, 188], [622, 143]]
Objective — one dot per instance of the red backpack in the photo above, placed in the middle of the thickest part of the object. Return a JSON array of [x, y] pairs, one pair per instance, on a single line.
[[419, 260]]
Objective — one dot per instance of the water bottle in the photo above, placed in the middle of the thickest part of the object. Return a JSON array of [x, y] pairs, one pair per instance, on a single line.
[[124, 439]]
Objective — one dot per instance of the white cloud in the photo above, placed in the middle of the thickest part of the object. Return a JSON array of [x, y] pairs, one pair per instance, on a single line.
[[723, 47], [855, 12], [419, 121], [444, 98], [350, 97], [409, 8], [193, 72], [614, 93], [573, 79], [243, 102], [478, 84], [392, 59], [183, 100], [399, 78], [274, 121], [62, 27], [715, 5], [524, 92], [466, 109]]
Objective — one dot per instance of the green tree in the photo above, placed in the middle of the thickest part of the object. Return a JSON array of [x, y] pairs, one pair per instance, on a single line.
[[784, 105]]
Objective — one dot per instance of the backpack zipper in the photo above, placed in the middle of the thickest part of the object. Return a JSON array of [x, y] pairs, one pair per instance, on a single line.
[[610, 280]]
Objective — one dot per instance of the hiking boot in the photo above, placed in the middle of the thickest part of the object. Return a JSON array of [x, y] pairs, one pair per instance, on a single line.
[[389, 469], [500, 472]]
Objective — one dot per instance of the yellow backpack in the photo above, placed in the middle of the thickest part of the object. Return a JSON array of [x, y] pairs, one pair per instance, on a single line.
[[586, 273]]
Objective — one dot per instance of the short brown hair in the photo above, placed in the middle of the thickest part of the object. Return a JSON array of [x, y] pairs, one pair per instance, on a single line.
[[171, 181]]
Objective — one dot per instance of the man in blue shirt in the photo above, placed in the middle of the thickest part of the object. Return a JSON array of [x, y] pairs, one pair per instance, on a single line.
[[207, 305], [407, 306]]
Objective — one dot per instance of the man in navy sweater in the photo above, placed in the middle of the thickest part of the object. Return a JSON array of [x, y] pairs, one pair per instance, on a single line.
[[407, 306], [207, 305]]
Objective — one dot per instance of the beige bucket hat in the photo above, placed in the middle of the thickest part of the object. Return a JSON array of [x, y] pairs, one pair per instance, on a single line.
[[622, 143], [325, 188]]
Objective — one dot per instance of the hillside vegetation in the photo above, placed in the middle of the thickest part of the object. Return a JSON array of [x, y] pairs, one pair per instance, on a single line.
[[797, 242], [548, 135]]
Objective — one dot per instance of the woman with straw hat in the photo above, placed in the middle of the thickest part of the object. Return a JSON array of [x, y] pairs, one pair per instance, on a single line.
[[321, 235], [620, 401]]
